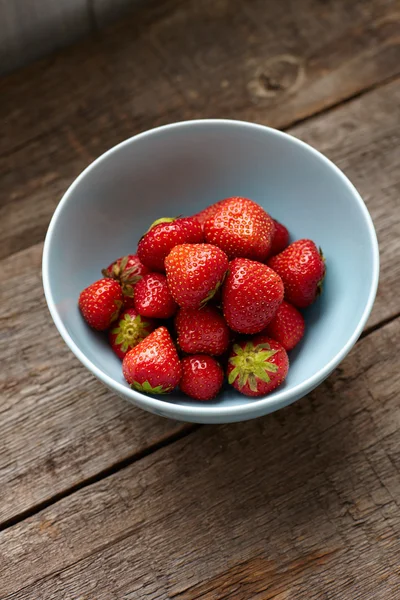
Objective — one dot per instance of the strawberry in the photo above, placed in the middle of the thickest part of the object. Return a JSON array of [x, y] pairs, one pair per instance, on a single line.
[[100, 303], [164, 235], [153, 298], [208, 212], [280, 239], [128, 270], [251, 295], [241, 228], [287, 326], [128, 331], [202, 377], [153, 366], [302, 269], [194, 273], [202, 331], [257, 366]]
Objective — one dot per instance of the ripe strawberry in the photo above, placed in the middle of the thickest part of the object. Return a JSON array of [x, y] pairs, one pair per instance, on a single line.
[[164, 235], [153, 365], [153, 298], [241, 228], [251, 295], [129, 330], [202, 377], [194, 273], [280, 239], [208, 212], [201, 331], [257, 366], [287, 326], [128, 270], [100, 303], [302, 269]]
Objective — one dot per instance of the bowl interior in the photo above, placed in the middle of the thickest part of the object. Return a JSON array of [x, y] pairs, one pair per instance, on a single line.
[[180, 169]]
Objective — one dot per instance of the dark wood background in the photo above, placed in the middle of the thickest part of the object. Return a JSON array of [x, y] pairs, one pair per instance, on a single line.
[[101, 501]]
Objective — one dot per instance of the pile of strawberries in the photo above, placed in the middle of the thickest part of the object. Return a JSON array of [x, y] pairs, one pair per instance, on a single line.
[[223, 283]]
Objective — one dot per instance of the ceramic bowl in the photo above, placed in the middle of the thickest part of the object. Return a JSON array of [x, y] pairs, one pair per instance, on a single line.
[[180, 169]]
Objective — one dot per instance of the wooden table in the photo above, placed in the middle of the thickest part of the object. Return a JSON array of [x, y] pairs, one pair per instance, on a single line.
[[101, 501]]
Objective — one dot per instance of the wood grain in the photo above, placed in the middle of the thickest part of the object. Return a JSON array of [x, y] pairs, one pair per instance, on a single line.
[[62, 427], [302, 504], [274, 62], [58, 425]]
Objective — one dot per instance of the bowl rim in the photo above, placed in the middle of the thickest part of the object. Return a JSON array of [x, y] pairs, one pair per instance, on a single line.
[[246, 409]]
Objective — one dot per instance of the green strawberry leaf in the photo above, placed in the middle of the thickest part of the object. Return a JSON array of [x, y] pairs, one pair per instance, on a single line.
[[251, 364], [162, 220], [233, 374], [252, 382], [127, 290], [123, 263], [212, 292], [146, 388]]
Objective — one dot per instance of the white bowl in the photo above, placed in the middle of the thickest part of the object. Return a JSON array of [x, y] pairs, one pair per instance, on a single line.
[[180, 169]]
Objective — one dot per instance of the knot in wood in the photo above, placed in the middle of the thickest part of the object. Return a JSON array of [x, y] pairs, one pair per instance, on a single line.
[[282, 74]]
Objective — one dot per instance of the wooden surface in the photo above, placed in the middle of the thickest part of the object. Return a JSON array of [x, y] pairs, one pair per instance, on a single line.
[[100, 500], [303, 501]]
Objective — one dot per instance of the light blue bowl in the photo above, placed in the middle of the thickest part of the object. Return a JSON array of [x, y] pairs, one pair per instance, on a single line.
[[180, 169]]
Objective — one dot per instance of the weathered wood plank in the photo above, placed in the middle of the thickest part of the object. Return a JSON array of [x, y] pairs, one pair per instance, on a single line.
[[301, 504], [58, 425], [270, 61]]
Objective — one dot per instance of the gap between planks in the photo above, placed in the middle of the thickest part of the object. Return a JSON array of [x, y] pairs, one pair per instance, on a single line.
[[341, 102], [285, 127], [118, 466], [368, 330], [137, 456]]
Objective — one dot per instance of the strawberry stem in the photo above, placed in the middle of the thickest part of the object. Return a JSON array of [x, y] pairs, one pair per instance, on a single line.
[[251, 363]]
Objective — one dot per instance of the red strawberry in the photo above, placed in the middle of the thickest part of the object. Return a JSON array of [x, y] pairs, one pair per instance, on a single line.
[[287, 326], [129, 330], [257, 366], [100, 303], [153, 366], [202, 377], [251, 295], [153, 298], [194, 273], [164, 235], [280, 239], [128, 270], [208, 212], [241, 228], [201, 331], [302, 269]]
